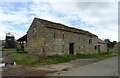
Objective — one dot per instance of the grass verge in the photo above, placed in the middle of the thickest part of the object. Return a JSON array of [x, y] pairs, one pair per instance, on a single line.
[[8, 49], [27, 59]]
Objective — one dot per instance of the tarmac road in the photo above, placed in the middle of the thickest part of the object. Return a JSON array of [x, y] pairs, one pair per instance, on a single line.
[[107, 67]]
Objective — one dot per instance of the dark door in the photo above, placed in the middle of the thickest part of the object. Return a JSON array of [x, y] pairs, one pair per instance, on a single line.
[[71, 48], [98, 48]]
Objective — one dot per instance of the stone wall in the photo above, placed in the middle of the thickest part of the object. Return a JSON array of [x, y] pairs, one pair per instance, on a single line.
[[59, 44], [103, 48], [116, 48], [35, 41]]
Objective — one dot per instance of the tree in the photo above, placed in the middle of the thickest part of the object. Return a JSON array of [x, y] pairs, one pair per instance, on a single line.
[[107, 40], [109, 43], [114, 42]]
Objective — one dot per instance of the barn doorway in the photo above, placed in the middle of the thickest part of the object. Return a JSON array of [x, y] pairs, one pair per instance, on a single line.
[[71, 48], [98, 48]]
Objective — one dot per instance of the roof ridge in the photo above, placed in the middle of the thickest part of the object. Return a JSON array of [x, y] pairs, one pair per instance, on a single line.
[[67, 27]]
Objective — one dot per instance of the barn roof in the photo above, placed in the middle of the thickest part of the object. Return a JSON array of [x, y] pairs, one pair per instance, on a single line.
[[24, 38], [60, 26], [101, 41]]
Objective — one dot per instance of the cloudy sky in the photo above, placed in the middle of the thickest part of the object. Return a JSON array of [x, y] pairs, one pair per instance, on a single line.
[[100, 18]]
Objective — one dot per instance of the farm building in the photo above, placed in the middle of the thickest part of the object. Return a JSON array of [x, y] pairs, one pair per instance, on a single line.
[[48, 38]]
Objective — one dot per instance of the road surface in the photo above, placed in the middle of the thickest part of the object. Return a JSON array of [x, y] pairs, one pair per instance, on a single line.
[[107, 67]]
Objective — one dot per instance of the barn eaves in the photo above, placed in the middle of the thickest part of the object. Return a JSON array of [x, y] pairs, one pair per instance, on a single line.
[[24, 38]]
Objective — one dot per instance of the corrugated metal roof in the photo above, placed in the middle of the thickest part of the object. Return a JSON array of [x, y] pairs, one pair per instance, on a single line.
[[23, 38]]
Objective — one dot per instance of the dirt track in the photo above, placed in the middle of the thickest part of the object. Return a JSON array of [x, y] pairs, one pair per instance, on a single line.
[[23, 71], [20, 70]]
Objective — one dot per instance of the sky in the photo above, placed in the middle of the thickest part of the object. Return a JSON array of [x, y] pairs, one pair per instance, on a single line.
[[99, 18]]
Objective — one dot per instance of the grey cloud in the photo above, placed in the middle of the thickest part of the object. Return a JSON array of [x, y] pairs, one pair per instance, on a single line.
[[92, 5]]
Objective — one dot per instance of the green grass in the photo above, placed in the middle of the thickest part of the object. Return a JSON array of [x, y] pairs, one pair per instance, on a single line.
[[60, 58], [8, 50], [104, 55], [24, 58], [27, 59]]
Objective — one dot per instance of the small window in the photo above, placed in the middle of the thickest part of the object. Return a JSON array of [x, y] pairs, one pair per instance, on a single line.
[[79, 47], [54, 35], [44, 23], [78, 38], [90, 40], [34, 30], [95, 47], [63, 36]]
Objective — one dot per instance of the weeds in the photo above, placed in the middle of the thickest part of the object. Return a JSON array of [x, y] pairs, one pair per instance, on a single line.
[[29, 59]]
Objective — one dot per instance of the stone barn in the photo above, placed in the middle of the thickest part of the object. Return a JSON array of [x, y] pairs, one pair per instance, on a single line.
[[48, 38]]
